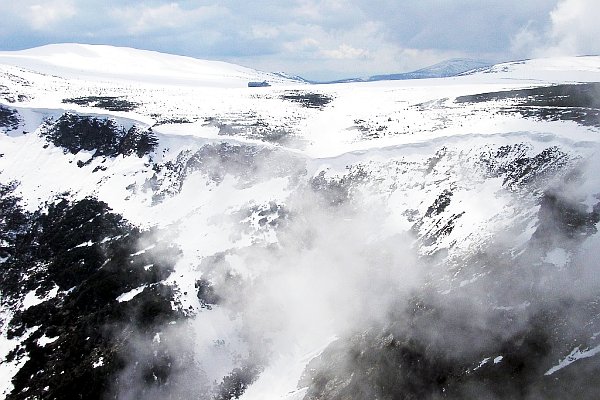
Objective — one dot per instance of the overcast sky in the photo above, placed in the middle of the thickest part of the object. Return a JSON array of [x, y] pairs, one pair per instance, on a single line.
[[316, 39]]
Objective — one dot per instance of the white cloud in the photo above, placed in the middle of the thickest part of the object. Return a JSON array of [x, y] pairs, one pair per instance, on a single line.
[[575, 27], [526, 41], [264, 32], [46, 15], [140, 20], [322, 10], [573, 30], [304, 44], [345, 52]]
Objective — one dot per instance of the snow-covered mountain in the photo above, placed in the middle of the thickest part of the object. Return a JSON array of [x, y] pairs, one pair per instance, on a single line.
[[168, 232], [109, 63], [444, 69]]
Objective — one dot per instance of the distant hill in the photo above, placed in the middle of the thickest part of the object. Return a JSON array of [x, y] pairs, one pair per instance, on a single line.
[[444, 69], [101, 62]]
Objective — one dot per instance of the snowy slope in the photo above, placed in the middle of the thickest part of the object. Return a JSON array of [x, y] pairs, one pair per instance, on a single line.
[[557, 69], [100, 62], [298, 240], [443, 69]]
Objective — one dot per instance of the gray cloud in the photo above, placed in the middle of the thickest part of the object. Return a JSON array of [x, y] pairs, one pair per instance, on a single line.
[[319, 39], [572, 30], [466, 25]]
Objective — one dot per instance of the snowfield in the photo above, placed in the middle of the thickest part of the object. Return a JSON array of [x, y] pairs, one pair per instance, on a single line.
[[297, 241]]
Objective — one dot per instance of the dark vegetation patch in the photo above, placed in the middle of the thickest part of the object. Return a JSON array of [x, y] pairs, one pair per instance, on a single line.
[[442, 225], [252, 126], [235, 383], [104, 136], [567, 95], [307, 99], [440, 204], [110, 103], [562, 219], [447, 351], [13, 96], [370, 129], [337, 190], [569, 102], [519, 169], [362, 126], [9, 118], [13, 219], [173, 120], [500, 338], [90, 256], [585, 117], [206, 294], [156, 372]]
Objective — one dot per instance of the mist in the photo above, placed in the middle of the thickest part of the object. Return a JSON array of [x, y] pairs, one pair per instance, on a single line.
[[331, 265], [513, 318], [327, 287]]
